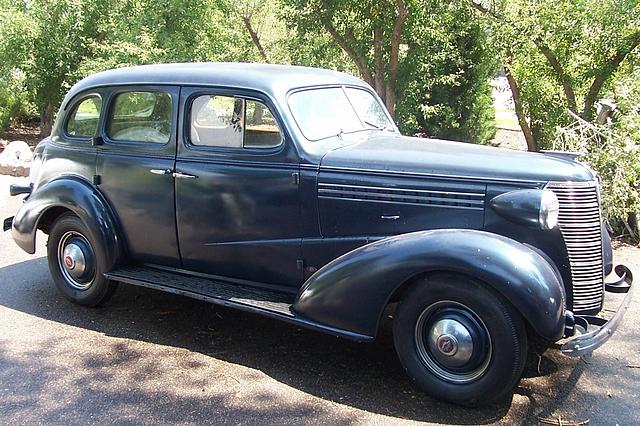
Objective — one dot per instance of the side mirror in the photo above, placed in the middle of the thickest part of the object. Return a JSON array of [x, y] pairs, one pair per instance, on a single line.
[[97, 140]]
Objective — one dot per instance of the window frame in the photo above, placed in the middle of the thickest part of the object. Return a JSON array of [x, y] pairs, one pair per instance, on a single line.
[[174, 95], [229, 92], [71, 110]]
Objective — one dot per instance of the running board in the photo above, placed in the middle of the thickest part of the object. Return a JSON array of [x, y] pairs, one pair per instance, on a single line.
[[266, 302]]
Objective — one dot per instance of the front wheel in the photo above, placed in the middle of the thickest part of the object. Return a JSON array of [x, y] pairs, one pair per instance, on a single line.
[[77, 262], [459, 340]]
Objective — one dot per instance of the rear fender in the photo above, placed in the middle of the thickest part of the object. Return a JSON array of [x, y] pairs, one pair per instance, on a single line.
[[77, 196], [351, 292]]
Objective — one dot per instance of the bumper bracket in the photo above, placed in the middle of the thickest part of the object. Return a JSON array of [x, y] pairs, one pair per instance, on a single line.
[[589, 341]]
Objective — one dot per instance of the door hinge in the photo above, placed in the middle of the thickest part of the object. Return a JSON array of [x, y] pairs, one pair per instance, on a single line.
[[96, 180], [296, 178]]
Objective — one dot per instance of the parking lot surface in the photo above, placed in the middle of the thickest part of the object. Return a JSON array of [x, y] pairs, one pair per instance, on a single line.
[[155, 358]]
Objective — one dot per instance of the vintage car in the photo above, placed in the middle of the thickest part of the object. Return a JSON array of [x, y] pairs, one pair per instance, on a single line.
[[289, 192]]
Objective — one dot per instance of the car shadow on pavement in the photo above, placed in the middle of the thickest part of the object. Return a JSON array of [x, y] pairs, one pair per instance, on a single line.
[[364, 376]]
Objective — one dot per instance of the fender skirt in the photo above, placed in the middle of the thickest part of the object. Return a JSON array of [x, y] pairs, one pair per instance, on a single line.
[[79, 197], [351, 292]]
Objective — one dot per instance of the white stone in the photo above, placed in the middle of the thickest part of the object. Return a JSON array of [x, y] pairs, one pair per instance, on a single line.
[[15, 159]]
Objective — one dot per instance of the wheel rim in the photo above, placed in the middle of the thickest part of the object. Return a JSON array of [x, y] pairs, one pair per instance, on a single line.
[[76, 260], [453, 342]]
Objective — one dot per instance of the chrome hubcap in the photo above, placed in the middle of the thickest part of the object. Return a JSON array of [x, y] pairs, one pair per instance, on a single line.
[[453, 342], [76, 260]]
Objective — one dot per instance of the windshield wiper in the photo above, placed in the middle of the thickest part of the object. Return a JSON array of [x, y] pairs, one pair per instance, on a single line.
[[375, 126]]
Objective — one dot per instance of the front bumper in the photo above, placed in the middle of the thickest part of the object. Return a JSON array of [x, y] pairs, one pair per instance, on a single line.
[[601, 329]]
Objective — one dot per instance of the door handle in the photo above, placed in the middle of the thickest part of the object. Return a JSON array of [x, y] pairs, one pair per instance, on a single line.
[[160, 171], [179, 175]]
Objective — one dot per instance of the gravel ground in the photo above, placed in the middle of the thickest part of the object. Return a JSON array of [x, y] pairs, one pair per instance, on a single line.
[[154, 358]]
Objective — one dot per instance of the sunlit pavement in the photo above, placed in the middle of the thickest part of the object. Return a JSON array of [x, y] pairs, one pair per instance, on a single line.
[[154, 358]]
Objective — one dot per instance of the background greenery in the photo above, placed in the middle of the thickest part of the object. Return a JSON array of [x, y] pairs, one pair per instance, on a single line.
[[429, 60]]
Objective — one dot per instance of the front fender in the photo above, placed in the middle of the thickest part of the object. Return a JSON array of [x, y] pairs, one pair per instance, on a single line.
[[75, 195], [351, 292]]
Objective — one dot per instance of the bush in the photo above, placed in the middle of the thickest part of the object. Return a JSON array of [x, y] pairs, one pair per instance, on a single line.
[[14, 105], [444, 87]]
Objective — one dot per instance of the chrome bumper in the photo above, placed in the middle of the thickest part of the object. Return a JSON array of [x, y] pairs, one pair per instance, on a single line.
[[591, 340]]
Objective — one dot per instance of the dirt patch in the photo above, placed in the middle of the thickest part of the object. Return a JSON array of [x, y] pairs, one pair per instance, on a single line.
[[28, 132], [508, 138]]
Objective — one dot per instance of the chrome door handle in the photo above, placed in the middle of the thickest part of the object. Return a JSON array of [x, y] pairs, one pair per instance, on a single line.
[[160, 171], [179, 175]]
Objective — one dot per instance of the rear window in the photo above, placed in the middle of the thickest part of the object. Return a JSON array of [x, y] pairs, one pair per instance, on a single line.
[[83, 120], [141, 117]]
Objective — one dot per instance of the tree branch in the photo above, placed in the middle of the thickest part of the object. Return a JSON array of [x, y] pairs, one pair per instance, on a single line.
[[561, 75], [532, 144], [357, 57], [254, 36], [606, 70], [394, 55], [377, 58]]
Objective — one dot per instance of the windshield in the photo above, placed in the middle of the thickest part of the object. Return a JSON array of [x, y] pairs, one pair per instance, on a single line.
[[322, 113]]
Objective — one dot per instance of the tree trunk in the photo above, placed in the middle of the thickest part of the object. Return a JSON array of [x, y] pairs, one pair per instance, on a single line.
[[394, 54], [255, 38], [347, 44], [379, 66], [46, 120], [532, 144]]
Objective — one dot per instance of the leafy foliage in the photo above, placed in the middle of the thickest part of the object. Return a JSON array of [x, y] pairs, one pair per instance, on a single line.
[[438, 85], [563, 54]]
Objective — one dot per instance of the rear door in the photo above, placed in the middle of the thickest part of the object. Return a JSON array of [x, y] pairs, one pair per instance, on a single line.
[[237, 201], [134, 166]]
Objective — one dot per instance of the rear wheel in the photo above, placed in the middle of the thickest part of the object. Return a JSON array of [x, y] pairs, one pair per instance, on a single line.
[[77, 262], [459, 340]]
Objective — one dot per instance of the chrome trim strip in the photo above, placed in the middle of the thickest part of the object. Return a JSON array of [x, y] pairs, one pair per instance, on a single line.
[[381, 188], [401, 202], [400, 197]]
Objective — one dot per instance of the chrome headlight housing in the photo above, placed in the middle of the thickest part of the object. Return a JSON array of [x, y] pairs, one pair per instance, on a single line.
[[532, 207], [549, 210]]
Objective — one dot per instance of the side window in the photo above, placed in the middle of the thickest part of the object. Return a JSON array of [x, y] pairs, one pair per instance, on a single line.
[[141, 117], [217, 121], [83, 119], [261, 128], [225, 121]]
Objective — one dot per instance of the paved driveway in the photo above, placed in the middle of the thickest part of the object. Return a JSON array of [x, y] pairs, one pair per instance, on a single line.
[[149, 357]]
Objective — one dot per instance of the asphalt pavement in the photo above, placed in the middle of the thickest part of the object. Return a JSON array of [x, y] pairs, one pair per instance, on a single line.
[[147, 357]]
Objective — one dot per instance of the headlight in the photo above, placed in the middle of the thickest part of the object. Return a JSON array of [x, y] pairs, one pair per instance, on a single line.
[[537, 208], [549, 210]]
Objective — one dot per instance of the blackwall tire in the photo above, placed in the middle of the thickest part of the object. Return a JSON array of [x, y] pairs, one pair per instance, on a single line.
[[459, 340], [77, 262]]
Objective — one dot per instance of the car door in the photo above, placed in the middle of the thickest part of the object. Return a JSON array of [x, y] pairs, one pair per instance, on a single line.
[[237, 201], [134, 165]]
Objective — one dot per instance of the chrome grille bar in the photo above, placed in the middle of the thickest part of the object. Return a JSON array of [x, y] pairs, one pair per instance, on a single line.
[[579, 222]]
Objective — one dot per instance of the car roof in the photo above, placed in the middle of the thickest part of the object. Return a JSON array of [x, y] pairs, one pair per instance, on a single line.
[[275, 80]]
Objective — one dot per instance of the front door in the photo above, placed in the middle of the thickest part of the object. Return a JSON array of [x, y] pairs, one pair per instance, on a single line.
[[237, 202], [134, 165]]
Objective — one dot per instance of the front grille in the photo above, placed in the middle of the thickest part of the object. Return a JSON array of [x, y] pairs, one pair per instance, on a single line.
[[580, 223]]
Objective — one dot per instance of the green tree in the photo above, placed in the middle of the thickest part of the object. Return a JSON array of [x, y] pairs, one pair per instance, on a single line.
[[46, 40], [426, 59], [57, 42], [559, 55]]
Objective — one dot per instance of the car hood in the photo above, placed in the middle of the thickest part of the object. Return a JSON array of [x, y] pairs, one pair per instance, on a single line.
[[401, 154]]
